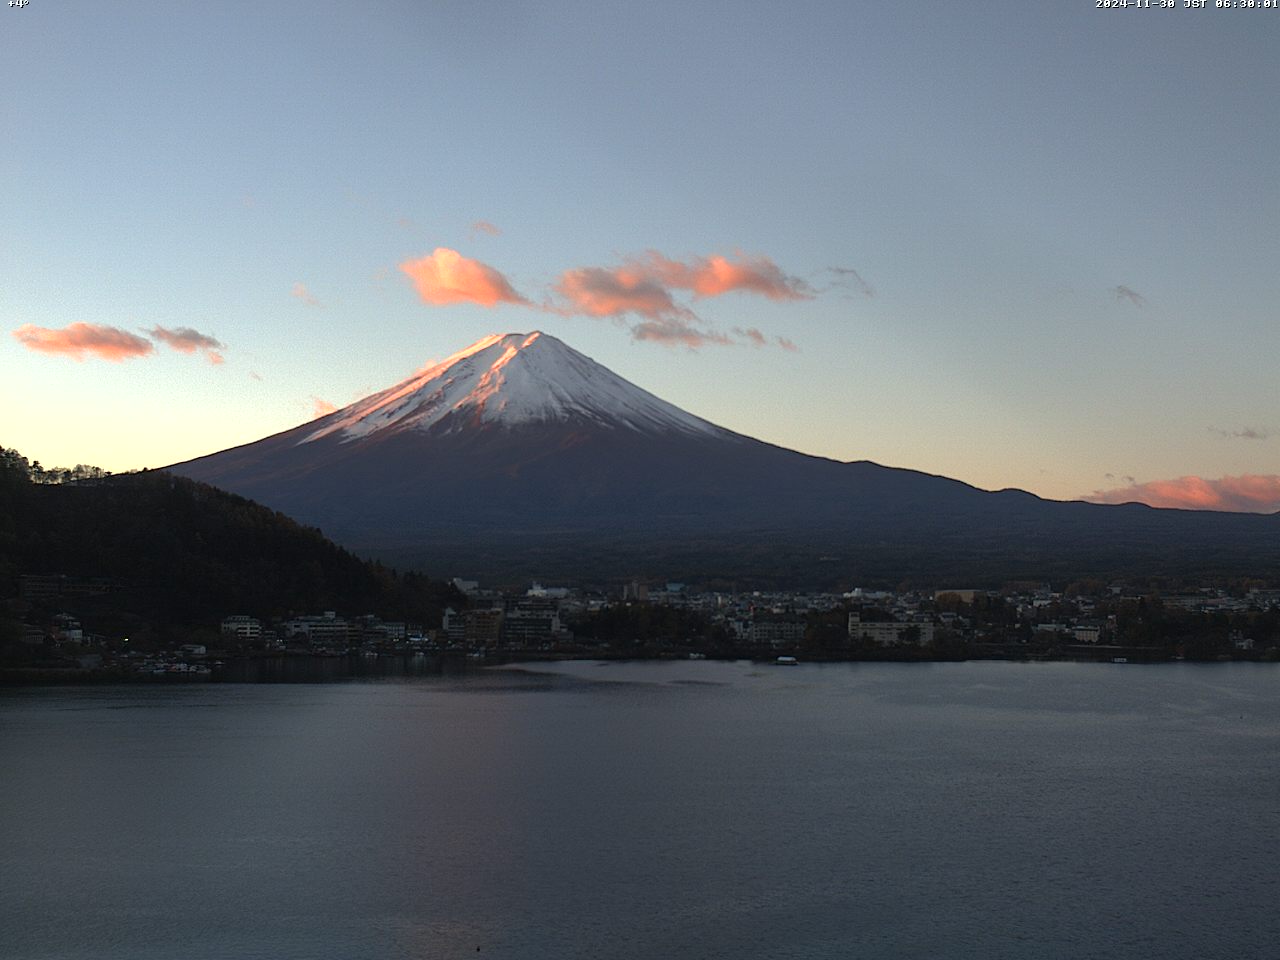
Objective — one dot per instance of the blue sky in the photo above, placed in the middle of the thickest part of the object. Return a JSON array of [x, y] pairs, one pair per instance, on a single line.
[[1064, 221]]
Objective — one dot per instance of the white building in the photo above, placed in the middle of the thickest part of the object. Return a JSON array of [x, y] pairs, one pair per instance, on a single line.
[[242, 628], [321, 631], [890, 633], [1087, 633]]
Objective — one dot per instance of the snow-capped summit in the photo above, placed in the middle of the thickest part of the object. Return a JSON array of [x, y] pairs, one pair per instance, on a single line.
[[511, 380]]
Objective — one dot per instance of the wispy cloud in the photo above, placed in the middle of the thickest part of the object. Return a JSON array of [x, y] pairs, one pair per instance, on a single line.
[[187, 340], [1245, 433], [484, 226], [82, 340], [445, 276], [302, 293], [851, 279], [1248, 493], [753, 337], [672, 331], [1125, 294], [321, 408]]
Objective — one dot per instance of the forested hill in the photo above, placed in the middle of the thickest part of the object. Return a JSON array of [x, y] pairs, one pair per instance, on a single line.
[[176, 553]]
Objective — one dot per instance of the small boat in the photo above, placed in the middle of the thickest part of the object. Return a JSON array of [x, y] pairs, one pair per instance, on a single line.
[[786, 662], [1119, 659]]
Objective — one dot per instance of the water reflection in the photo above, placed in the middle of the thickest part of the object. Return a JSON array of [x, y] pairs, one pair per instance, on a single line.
[[632, 811], [332, 669]]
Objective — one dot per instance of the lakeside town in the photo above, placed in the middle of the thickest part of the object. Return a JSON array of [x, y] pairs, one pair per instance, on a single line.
[[1086, 620]]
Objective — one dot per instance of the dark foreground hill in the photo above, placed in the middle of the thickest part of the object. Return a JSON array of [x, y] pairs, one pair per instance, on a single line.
[[168, 555]]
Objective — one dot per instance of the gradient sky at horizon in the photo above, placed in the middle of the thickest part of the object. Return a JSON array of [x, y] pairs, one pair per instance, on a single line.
[[1038, 243]]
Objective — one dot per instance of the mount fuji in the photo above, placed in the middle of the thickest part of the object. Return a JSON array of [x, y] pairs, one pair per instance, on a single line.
[[520, 456], [513, 381]]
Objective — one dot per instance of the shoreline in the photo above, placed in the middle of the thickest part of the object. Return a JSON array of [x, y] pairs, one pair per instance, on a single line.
[[345, 668]]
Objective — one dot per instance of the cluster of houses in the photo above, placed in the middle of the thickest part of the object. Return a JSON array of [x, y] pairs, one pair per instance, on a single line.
[[541, 617], [538, 618], [323, 633], [546, 618], [754, 619]]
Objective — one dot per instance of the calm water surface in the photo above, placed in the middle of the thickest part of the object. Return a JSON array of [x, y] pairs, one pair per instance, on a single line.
[[650, 810]]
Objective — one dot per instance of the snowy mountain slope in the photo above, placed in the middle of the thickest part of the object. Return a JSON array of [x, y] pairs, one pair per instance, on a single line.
[[512, 380]]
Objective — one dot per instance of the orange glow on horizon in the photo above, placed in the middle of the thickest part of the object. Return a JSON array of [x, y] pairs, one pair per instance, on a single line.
[[1248, 493]]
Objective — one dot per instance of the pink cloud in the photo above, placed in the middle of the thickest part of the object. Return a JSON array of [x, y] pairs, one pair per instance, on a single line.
[[611, 292], [788, 345], [643, 285], [302, 293], [484, 226], [321, 408], [447, 277], [1248, 493], [186, 340], [79, 340], [715, 275]]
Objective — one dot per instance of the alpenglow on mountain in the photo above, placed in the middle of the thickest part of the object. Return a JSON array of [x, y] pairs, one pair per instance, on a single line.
[[512, 381], [520, 457]]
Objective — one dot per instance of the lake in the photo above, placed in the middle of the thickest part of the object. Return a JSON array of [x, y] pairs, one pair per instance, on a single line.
[[650, 810]]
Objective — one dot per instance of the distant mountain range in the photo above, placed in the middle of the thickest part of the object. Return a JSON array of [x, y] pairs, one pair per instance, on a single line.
[[521, 457]]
